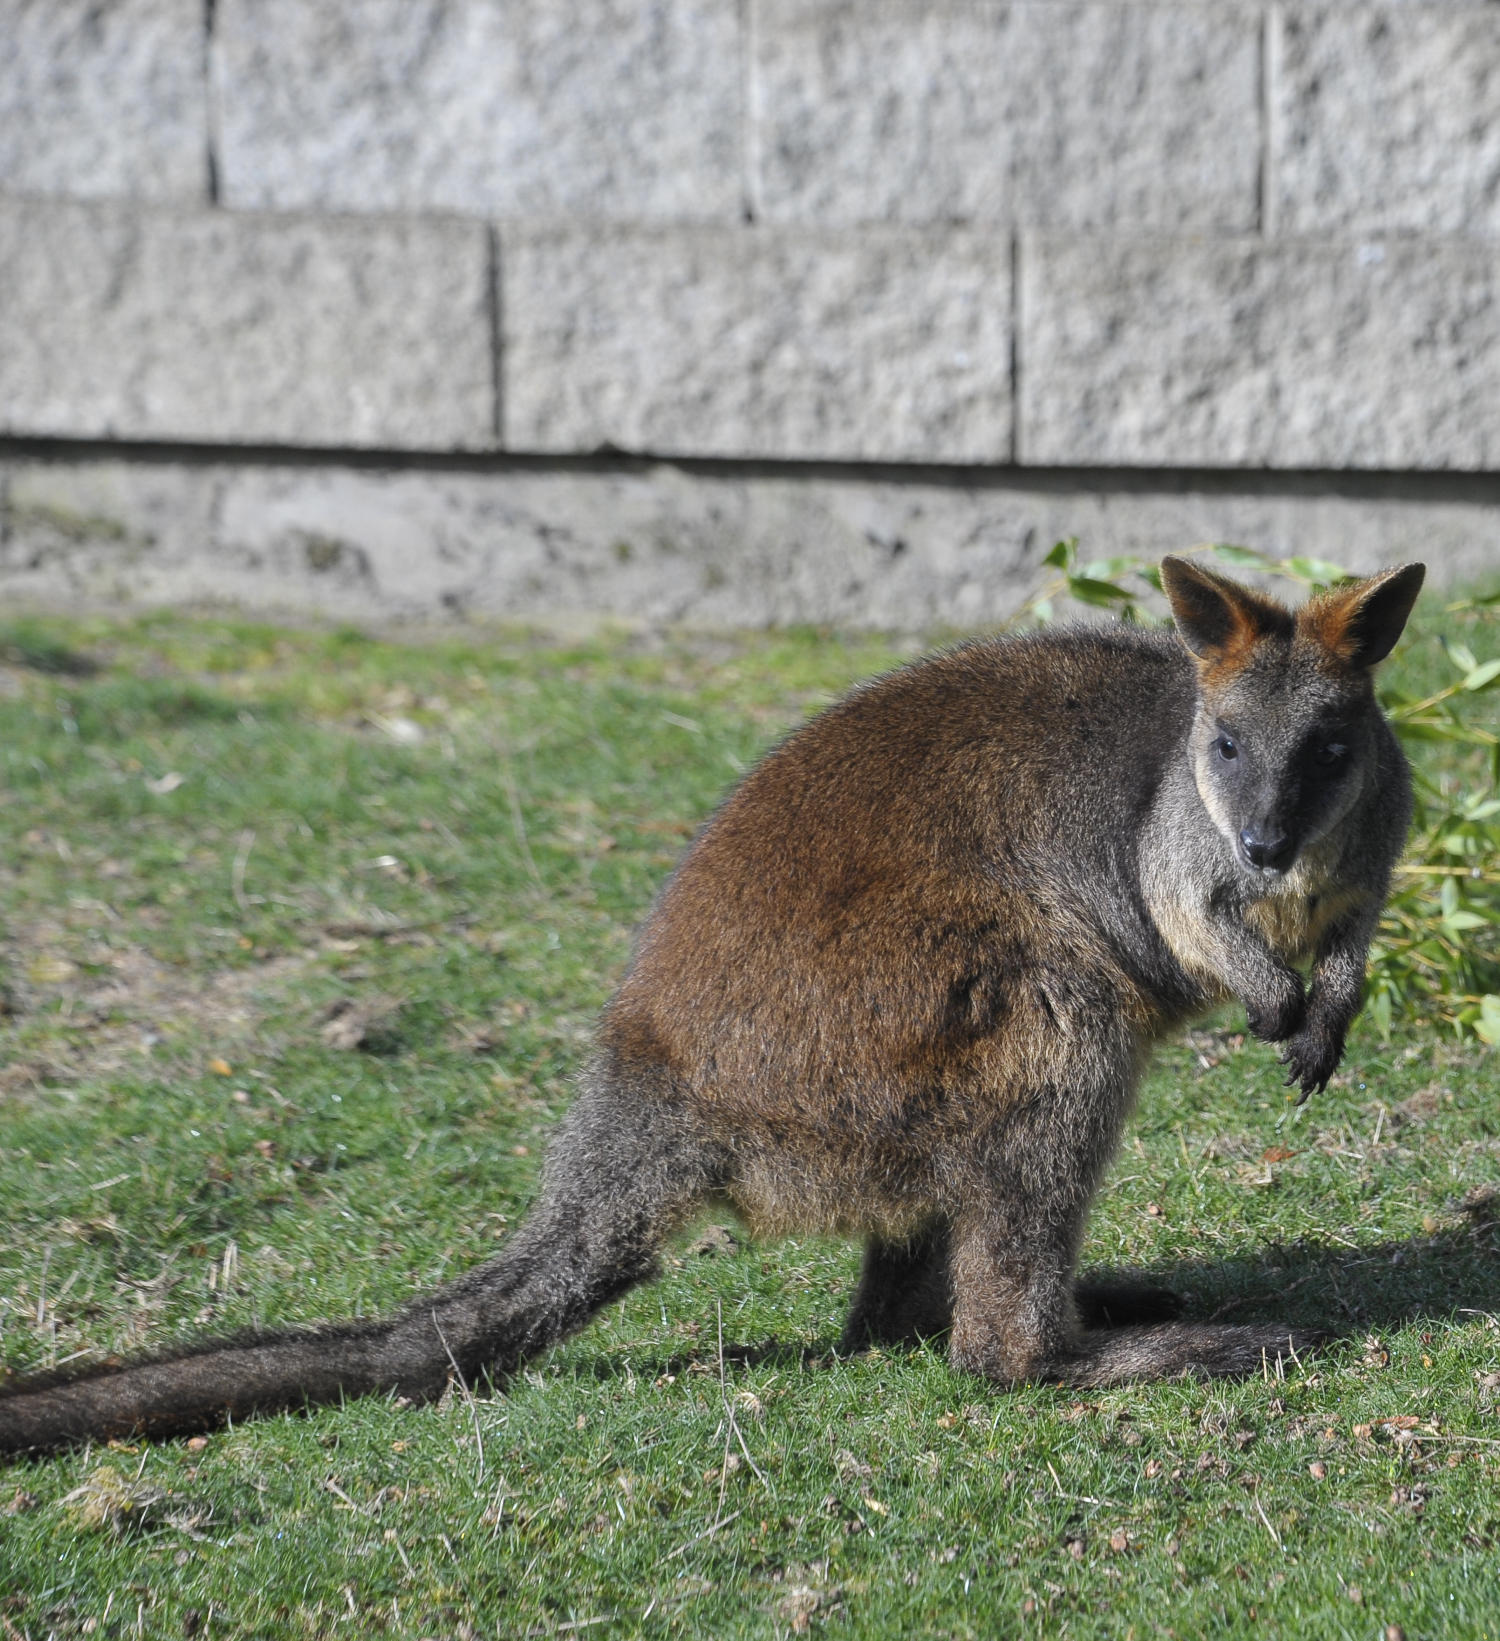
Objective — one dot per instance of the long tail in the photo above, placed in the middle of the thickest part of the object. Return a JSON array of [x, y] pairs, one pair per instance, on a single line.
[[611, 1194]]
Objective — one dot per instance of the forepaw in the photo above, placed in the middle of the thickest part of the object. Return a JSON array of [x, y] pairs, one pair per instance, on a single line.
[[1281, 1020], [1312, 1057]]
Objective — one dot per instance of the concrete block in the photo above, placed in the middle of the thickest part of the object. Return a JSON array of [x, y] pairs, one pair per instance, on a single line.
[[597, 108], [1388, 119], [652, 543], [742, 342], [1383, 354], [203, 325], [1053, 114], [103, 101]]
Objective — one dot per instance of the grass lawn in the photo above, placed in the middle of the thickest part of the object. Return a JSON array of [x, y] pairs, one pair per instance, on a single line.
[[303, 937]]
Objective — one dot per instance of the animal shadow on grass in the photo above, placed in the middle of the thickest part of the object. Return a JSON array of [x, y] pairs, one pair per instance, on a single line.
[[1342, 1291], [1336, 1292]]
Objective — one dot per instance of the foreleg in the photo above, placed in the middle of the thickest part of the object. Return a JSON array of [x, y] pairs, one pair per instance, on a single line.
[[1333, 1000]]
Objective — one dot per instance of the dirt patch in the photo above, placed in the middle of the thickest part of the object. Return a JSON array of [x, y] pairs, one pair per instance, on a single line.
[[372, 1026], [137, 1010], [1419, 1107]]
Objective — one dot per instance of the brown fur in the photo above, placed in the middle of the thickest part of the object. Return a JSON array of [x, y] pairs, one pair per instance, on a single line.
[[903, 988]]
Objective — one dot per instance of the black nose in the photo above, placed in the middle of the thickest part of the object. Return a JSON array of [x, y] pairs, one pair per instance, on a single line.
[[1266, 851]]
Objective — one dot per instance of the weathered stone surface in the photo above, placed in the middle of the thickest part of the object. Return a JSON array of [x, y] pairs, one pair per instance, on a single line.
[[1251, 353], [654, 544], [599, 108], [207, 326], [1066, 115], [1389, 119], [743, 342], [101, 101]]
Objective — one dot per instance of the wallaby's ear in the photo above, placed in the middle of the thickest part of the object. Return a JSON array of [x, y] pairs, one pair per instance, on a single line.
[[1360, 623], [1218, 619]]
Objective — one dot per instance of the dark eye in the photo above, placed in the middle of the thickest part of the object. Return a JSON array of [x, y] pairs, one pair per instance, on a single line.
[[1226, 749], [1333, 753]]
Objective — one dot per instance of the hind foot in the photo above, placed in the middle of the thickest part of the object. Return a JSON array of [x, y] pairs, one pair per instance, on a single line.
[[1112, 1356]]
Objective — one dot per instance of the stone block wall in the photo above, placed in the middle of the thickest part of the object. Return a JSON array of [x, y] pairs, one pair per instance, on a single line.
[[838, 269]]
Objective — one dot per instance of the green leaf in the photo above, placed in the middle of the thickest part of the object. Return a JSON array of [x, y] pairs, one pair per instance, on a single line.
[[1458, 922], [1317, 572], [1460, 655], [1429, 729], [1449, 896], [1241, 558], [1111, 569], [1088, 591], [1422, 729], [1061, 555], [1487, 1026], [1042, 610], [1380, 1010], [1482, 677]]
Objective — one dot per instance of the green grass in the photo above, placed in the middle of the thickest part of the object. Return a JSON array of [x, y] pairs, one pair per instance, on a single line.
[[215, 833]]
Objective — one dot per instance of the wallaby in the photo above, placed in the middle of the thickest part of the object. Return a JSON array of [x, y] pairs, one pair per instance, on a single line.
[[903, 987]]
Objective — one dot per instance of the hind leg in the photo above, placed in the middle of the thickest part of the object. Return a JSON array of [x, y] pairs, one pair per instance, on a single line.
[[1013, 1322], [1015, 1245], [904, 1293]]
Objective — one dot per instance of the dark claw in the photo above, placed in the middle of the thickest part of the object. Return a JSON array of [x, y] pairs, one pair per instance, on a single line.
[[1311, 1058]]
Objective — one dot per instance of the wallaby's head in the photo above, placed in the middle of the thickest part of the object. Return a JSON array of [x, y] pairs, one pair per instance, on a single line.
[[1284, 739]]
